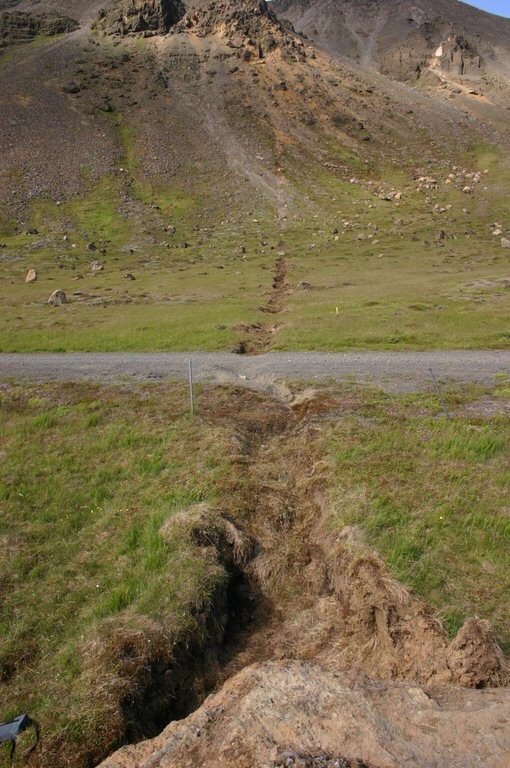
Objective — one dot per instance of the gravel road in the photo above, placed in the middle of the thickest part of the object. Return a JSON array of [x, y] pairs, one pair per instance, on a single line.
[[393, 371]]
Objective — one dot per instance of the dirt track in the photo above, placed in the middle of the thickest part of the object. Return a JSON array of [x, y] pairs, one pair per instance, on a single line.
[[393, 371]]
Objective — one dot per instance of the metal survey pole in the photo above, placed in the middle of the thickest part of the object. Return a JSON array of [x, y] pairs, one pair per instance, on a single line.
[[191, 395], [436, 385]]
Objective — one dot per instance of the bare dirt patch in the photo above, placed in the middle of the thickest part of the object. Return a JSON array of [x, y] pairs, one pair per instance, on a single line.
[[327, 597], [257, 337]]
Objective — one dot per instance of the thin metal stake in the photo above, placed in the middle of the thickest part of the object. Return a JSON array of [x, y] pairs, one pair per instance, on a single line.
[[440, 396], [191, 395]]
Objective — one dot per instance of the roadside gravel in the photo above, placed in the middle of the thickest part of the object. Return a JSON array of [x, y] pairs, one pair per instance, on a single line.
[[392, 371]]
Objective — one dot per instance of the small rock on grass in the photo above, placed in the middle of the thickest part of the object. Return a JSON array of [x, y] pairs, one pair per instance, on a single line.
[[96, 266], [57, 298], [505, 242], [31, 276]]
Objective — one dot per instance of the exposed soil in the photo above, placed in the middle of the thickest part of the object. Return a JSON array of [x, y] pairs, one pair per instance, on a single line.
[[257, 337], [299, 591], [327, 597], [298, 715]]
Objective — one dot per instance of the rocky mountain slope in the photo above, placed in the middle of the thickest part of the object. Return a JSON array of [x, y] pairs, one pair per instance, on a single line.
[[230, 74], [444, 45], [402, 37]]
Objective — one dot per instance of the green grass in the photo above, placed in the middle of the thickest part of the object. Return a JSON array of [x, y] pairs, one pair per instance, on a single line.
[[409, 290], [432, 496], [88, 479], [399, 286], [13, 53], [98, 563]]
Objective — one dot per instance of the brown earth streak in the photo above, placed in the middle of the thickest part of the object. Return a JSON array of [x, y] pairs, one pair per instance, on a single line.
[[326, 613], [325, 596], [258, 337]]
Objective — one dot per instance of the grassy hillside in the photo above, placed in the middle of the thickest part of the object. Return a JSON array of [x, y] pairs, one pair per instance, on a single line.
[[423, 271], [207, 166]]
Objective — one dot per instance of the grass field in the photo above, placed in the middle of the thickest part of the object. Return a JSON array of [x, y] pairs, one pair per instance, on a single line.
[[102, 578], [89, 477], [421, 272], [431, 494]]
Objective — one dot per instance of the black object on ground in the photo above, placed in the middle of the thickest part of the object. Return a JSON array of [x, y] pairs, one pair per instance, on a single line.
[[10, 731]]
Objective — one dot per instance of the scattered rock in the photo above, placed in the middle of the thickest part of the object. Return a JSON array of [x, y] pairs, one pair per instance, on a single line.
[[71, 88], [104, 105], [129, 276], [31, 276], [96, 266], [32, 231], [57, 298], [91, 247], [505, 242], [304, 286]]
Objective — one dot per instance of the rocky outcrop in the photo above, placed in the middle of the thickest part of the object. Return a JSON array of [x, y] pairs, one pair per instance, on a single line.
[[140, 16], [458, 56], [429, 45], [298, 714], [18, 27], [248, 24]]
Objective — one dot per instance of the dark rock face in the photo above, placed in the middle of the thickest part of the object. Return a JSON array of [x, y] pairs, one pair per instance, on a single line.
[[18, 27], [406, 39], [138, 16]]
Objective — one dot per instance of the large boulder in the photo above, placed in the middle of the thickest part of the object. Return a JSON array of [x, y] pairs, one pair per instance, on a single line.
[[57, 298], [296, 714]]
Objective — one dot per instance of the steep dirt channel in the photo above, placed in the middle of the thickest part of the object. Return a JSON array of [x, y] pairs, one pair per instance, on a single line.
[[320, 594], [295, 587], [257, 338]]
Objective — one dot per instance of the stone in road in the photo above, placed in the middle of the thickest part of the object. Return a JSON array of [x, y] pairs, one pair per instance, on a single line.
[[393, 371]]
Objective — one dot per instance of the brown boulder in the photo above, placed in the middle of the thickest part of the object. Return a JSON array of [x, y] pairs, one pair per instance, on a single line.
[[298, 714], [57, 298]]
